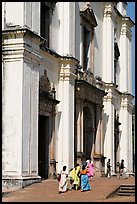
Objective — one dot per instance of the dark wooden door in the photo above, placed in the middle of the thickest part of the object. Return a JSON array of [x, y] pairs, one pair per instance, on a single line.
[[43, 146]]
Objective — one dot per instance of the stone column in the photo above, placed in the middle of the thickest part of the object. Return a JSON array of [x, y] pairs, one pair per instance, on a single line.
[[98, 131], [108, 44], [66, 108], [130, 144], [81, 129], [125, 57], [52, 170], [79, 132], [81, 44], [126, 151], [20, 110], [98, 141], [92, 50], [78, 126], [109, 132], [123, 61]]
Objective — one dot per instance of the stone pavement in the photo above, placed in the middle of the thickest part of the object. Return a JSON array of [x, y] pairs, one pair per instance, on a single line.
[[47, 191]]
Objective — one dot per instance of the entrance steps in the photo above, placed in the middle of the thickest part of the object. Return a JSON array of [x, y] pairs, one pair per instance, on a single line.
[[126, 190], [123, 190]]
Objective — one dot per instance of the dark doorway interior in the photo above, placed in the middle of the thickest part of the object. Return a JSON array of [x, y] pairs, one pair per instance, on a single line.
[[43, 146], [116, 140], [88, 132]]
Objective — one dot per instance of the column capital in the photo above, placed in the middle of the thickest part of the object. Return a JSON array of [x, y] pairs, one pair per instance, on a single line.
[[125, 30], [68, 69], [109, 10]]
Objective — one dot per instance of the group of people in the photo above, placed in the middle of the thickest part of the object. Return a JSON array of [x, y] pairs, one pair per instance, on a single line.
[[120, 170], [78, 178]]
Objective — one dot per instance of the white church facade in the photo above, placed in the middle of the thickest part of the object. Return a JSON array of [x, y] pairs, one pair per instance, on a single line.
[[66, 88]]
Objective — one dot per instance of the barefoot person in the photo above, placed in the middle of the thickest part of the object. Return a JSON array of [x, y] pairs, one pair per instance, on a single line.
[[63, 180], [85, 186]]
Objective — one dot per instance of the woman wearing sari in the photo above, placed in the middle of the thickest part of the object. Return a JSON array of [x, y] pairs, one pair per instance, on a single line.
[[63, 180], [90, 167], [85, 186], [76, 176]]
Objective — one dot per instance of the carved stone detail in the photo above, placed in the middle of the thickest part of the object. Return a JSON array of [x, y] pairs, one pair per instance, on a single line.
[[88, 93], [44, 84]]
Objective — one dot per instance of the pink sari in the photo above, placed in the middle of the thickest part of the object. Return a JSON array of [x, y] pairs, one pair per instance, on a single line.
[[90, 169]]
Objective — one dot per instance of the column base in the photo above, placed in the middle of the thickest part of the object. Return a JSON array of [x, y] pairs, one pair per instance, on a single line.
[[99, 160], [11, 183], [53, 174]]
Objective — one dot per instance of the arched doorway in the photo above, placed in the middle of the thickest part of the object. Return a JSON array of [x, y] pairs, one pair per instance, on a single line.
[[87, 134], [88, 137], [46, 128]]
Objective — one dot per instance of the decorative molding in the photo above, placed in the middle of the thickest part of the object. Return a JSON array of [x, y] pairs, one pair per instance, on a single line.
[[88, 17], [47, 101], [20, 47], [88, 93]]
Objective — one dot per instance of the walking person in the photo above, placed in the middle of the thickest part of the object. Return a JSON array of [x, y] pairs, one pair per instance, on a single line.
[[71, 179], [85, 186], [63, 180], [122, 169], [108, 169], [77, 176], [90, 168]]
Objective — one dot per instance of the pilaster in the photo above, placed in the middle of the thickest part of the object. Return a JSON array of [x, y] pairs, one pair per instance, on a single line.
[[125, 56], [98, 131], [125, 116], [108, 43], [66, 109], [108, 119], [20, 91]]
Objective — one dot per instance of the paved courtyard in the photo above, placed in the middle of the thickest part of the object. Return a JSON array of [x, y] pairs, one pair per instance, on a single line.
[[47, 191]]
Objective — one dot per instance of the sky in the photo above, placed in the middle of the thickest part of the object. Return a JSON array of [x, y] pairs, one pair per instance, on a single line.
[[131, 14]]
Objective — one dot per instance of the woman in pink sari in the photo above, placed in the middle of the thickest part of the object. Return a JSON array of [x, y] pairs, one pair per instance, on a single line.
[[90, 168]]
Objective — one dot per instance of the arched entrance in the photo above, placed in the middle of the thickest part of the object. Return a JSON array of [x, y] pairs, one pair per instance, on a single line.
[[88, 137], [88, 117], [47, 103]]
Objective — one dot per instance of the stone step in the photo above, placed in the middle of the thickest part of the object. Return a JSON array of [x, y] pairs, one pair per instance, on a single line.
[[125, 194], [127, 187], [126, 190]]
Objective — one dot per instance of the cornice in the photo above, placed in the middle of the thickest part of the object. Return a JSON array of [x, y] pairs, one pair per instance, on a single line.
[[13, 32]]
